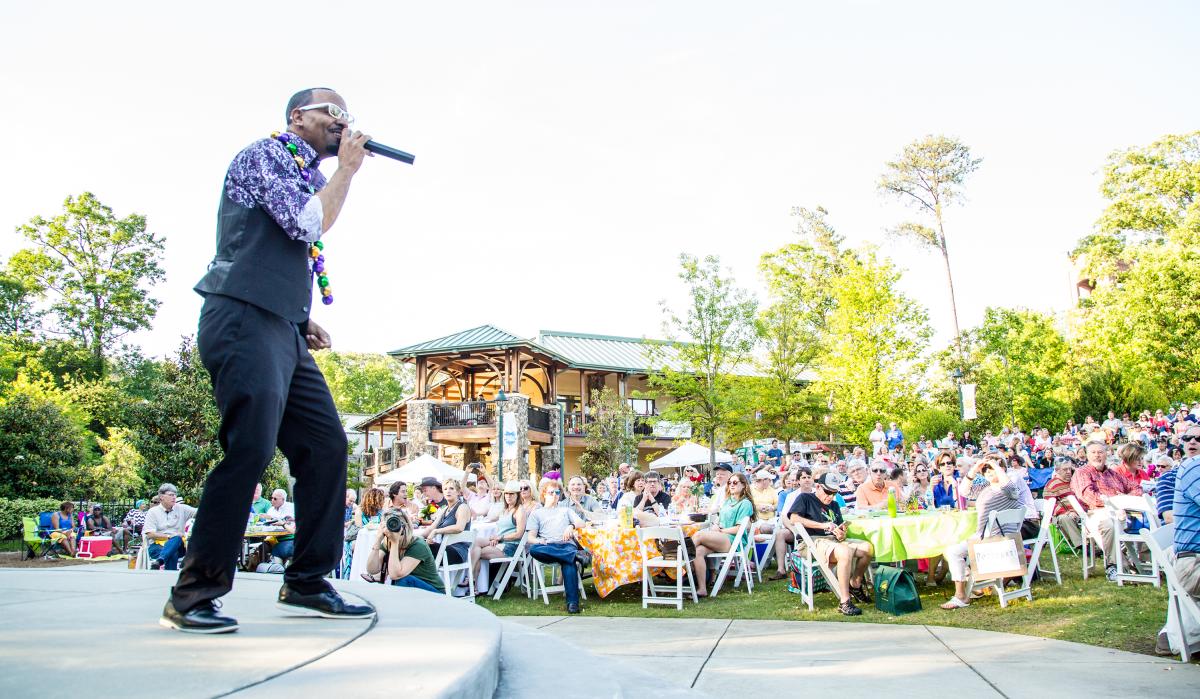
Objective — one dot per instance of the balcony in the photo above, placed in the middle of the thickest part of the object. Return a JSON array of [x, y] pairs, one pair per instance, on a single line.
[[469, 414], [644, 426], [385, 459]]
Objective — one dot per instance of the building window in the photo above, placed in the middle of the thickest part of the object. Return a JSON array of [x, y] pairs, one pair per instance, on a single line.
[[642, 406]]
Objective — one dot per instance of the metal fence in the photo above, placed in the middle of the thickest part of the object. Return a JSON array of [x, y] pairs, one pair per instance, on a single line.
[[469, 414]]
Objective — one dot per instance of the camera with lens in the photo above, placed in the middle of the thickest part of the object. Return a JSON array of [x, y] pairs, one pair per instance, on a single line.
[[394, 521]]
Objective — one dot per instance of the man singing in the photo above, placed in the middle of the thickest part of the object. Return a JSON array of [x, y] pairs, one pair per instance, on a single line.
[[254, 338]]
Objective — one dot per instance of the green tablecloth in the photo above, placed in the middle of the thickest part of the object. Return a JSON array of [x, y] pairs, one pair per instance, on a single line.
[[908, 538]]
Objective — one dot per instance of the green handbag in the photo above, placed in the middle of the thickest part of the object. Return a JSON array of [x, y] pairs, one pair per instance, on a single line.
[[896, 591]]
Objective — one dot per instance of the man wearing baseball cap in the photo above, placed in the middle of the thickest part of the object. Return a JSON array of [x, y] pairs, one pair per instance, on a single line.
[[821, 517]]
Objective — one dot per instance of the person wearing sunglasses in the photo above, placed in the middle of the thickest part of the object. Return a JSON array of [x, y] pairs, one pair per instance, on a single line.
[[873, 494], [254, 338], [552, 539]]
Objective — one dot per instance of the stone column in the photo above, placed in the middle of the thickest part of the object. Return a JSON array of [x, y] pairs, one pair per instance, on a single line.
[[515, 407], [552, 453], [420, 420]]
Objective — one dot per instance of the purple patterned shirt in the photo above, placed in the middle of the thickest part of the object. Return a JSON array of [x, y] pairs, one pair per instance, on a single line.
[[265, 174]]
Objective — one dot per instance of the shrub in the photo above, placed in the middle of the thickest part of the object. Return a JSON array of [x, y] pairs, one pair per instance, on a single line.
[[12, 511]]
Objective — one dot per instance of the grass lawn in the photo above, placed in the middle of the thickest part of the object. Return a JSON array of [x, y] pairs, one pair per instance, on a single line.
[[1092, 611]]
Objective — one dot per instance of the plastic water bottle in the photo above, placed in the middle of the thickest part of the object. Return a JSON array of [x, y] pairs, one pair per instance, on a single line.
[[891, 504]]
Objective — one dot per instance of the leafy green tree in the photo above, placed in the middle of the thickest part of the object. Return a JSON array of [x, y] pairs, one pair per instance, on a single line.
[[1019, 362], [42, 449], [64, 361], [1154, 191], [929, 174], [1138, 333], [95, 269], [362, 382], [118, 474], [176, 432], [790, 329], [709, 342], [874, 340], [607, 434], [18, 311]]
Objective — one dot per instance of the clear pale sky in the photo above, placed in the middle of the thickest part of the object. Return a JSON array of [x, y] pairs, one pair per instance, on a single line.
[[567, 152]]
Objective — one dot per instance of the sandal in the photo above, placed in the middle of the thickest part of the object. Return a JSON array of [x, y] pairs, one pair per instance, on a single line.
[[777, 576], [848, 608], [860, 594], [955, 603]]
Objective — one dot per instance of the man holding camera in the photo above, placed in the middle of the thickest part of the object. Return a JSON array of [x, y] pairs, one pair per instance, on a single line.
[[254, 338]]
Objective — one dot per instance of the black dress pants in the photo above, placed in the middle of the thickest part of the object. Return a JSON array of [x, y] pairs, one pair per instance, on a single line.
[[270, 393]]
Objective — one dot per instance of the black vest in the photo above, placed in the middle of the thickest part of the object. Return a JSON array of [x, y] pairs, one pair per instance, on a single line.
[[258, 263]]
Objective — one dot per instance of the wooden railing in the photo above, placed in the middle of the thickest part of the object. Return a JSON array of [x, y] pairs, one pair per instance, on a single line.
[[468, 414]]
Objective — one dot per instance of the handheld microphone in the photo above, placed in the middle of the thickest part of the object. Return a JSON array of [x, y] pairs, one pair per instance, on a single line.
[[389, 152]]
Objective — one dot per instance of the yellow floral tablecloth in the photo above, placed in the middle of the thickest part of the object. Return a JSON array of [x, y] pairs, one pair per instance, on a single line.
[[616, 556]]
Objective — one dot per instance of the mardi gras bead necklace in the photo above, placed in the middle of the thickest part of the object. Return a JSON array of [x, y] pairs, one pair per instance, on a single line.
[[316, 250]]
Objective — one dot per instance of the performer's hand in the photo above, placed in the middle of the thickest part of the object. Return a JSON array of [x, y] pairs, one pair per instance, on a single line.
[[351, 151], [317, 338]]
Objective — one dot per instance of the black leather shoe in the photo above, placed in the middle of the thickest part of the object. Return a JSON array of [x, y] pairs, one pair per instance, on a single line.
[[202, 619], [573, 609], [327, 604]]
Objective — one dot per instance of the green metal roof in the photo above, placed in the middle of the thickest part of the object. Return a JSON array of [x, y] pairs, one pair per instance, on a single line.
[[482, 337], [585, 351]]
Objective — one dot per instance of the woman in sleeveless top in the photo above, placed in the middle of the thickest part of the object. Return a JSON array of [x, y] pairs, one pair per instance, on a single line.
[[510, 529], [454, 518]]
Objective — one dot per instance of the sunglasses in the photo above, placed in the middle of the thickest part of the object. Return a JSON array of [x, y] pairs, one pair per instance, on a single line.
[[334, 111], [1190, 438], [879, 470], [524, 487]]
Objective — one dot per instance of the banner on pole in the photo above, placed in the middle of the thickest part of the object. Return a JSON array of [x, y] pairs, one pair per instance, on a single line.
[[966, 401], [508, 436]]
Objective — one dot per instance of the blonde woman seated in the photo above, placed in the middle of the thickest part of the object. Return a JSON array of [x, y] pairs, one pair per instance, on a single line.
[[718, 538], [454, 518], [402, 557], [687, 490], [529, 501], [510, 528]]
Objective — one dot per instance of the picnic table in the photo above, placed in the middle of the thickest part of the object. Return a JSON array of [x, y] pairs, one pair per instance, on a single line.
[[912, 536], [616, 554]]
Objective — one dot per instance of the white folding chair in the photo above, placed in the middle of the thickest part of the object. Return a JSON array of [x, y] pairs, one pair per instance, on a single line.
[[809, 565], [736, 556], [652, 592], [997, 522], [759, 538], [1153, 503], [1043, 540], [450, 571], [537, 575], [515, 564], [1161, 542], [1121, 506], [1092, 541]]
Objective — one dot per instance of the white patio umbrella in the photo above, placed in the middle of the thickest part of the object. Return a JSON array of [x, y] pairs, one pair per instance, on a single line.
[[687, 454], [423, 466]]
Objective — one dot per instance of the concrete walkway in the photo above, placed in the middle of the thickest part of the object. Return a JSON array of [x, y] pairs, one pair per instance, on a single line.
[[743, 658]]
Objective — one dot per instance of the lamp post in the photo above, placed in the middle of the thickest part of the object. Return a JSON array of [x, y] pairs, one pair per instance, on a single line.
[[500, 397]]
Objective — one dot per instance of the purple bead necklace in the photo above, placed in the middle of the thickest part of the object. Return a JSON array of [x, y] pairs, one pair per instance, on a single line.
[[316, 250]]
